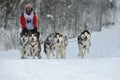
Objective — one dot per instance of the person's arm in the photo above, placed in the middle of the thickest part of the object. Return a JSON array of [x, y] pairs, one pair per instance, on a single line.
[[35, 21], [22, 21]]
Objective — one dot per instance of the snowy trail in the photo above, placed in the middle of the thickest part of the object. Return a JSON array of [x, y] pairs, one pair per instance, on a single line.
[[92, 69]]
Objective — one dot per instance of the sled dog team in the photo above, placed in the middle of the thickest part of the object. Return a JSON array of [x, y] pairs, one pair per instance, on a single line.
[[54, 45]]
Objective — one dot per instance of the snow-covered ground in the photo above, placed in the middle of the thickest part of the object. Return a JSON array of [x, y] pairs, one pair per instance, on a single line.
[[70, 69], [102, 63]]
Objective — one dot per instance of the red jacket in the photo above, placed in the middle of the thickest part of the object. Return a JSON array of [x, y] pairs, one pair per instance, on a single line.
[[23, 22]]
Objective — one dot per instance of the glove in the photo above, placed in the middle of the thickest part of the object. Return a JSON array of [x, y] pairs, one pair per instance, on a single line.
[[24, 31], [36, 29]]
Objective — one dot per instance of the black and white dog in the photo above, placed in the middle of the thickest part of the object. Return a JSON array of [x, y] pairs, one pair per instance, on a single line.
[[49, 45], [24, 46], [84, 43], [55, 43], [35, 47]]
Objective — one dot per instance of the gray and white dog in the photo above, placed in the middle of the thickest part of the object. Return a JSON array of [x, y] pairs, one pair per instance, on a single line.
[[84, 43], [49, 45], [35, 47], [24, 46], [60, 46]]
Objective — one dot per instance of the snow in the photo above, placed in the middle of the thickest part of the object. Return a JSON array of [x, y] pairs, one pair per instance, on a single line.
[[102, 63], [49, 16], [92, 69]]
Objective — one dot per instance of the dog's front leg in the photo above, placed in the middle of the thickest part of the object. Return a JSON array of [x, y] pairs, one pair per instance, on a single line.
[[57, 53], [79, 49], [63, 53], [89, 44], [38, 55], [27, 52], [48, 54], [34, 55], [22, 53], [86, 49], [53, 50], [25, 55], [81, 52]]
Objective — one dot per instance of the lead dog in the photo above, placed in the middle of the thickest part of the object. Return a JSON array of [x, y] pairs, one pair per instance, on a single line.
[[35, 47], [84, 43], [24, 46]]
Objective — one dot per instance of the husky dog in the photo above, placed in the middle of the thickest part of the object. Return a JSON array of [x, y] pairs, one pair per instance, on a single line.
[[84, 43], [35, 47], [60, 46], [49, 45], [24, 46]]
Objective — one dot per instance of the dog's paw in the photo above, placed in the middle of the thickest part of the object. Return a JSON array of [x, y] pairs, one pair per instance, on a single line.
[[22, 57]]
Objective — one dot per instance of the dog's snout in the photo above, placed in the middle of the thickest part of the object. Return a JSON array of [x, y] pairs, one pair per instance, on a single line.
[[32, 39], [23, 39]]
